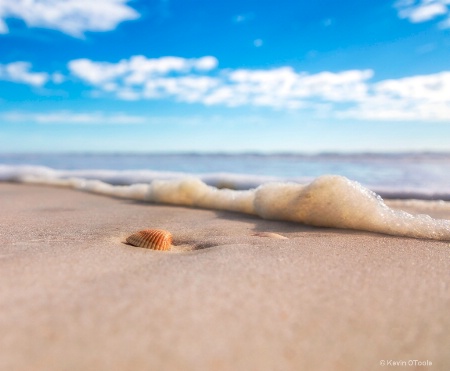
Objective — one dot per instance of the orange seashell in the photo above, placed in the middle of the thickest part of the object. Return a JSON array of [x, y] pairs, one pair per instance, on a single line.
[[155, 239]]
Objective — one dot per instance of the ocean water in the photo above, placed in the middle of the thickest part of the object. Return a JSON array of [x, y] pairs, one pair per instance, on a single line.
[[405, 175], [326, 190]]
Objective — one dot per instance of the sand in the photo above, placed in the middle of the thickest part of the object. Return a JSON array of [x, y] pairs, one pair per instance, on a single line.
[[73, 296]]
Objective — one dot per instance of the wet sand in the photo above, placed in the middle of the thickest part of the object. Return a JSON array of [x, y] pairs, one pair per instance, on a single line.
[[73, 296]]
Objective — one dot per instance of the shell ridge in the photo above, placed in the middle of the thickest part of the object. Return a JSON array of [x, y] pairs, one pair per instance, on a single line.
[[155, 239]]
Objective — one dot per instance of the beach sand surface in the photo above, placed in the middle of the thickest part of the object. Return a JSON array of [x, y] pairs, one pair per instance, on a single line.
[[74, 296]]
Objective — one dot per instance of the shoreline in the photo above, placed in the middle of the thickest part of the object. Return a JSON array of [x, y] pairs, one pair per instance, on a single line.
[[74, 296]]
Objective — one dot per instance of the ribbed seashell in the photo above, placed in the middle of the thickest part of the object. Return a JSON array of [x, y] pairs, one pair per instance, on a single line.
[[155, 239]]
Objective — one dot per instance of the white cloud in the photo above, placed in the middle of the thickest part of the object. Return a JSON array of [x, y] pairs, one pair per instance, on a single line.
[[419, 98], [417, 11], [186, 88], [73, 17], [20, 72], [283, 87], [432, 88], [328, 94], [243, 18], [143, 78], [97, 72], [68, 117], [206, 63], [197, 81], [397, 110], [138, 69]]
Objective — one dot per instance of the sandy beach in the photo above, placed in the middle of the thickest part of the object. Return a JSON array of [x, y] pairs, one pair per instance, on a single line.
[[73, 296]]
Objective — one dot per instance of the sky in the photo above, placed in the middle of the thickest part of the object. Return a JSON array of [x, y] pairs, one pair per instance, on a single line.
[[224, 76]]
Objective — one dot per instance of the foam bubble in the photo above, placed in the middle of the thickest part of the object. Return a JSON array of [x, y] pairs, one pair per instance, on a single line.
[[328, 201], [193, 192], [335, 201]]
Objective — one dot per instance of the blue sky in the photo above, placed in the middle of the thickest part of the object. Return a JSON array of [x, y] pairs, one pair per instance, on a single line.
[[202, 75]]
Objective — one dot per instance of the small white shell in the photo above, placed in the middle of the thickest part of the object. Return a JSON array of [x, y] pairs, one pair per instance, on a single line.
[[270, 235], [155, 239]]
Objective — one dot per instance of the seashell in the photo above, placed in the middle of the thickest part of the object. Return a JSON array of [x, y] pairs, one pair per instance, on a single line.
[[155, 239], [270, 235]]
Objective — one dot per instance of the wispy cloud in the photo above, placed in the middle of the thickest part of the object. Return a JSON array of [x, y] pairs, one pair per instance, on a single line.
[[199, 81], [73, 17], [425, 97], [333, 94], [417, 11], [243, 18], [20, 72], [138, 69], [143, 78], [284, 87], [68, 117], [344, 94]]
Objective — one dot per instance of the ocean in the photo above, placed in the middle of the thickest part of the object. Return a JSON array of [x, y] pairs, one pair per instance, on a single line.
[[323, 190], [403, 175]]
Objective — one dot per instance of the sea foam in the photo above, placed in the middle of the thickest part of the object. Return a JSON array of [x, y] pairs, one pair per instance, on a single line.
[[328, 201]]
